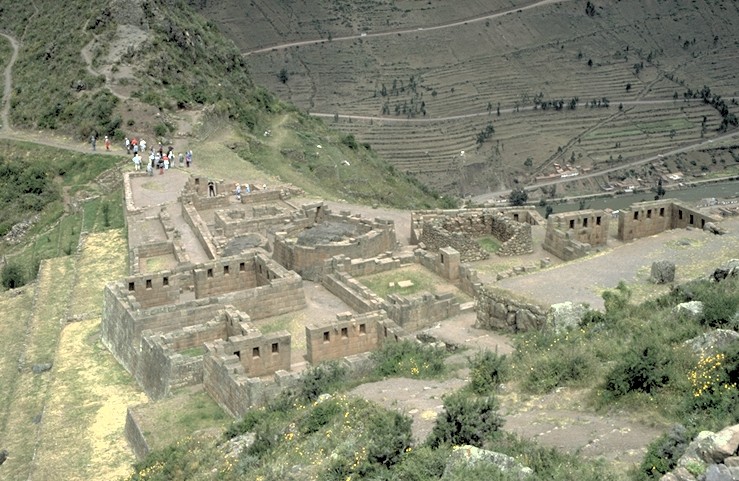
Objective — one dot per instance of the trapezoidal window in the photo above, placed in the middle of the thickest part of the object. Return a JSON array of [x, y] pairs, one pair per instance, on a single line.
[[362, 329], [148, 283], [649, 213], [275, 348], [209, 273], [661, 211], [691, 219], [255, 352], [680, 214], [165, 281], [636, 215], [597, 220], [572, 223], [344, 333], [326, 336], [242, 267], [225, 270], [131, 286], [585, 222]]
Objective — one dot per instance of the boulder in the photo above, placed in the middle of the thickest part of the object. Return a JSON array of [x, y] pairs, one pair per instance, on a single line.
[[714, 229], [39, 368], [663, 272], [566, 315], [3, 456], [730, 269], [718, 472], [726, 443], [713, 341], [471, 455], [692, 310]]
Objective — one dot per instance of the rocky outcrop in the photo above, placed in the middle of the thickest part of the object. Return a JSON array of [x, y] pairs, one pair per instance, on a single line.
[[710, 457], [712, 342], [663, 272], [566, 315], [471, 455]]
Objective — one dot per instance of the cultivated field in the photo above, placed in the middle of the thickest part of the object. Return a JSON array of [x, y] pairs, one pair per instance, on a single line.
[[421, 82]]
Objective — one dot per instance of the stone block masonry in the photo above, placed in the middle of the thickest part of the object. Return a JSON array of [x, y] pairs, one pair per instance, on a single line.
[[572, 235], [645, 219], [349, 335], [306, 248], [500, 310], [459, 230], [166, 304]]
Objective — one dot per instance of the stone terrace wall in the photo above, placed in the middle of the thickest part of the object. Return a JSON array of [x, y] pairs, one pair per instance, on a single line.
[[349, 335], [500, 310], [571, 235], [645, 219], [459, 228]]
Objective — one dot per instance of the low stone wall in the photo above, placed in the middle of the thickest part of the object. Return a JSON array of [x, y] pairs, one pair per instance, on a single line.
[[200, 228], [135, 435], [499, 310], [352, 292], [419, 311]]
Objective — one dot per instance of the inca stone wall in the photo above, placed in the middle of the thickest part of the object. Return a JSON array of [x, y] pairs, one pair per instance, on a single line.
[[459, 229], [372, 238], [133, 306], [572, 235], [645, 219], [499, 310], [349, 335]]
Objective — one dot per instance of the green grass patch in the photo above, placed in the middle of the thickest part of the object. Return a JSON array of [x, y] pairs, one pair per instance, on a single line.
[[409, 359], [386, 283], [489, 244], [166, 421], [193, 351]]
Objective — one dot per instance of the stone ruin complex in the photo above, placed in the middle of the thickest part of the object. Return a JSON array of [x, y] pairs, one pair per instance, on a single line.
[[205, 269]]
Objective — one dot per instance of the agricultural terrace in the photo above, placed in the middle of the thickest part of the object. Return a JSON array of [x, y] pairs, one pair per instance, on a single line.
[[426, 82]]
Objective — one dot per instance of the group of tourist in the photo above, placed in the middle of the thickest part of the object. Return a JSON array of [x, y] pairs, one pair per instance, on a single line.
[[158, 158]]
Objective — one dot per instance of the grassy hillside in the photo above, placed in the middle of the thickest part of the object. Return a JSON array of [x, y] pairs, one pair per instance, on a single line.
[[628, 66]]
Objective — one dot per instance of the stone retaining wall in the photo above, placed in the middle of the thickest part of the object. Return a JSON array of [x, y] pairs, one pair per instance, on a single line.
[[500, 310], [135, 435]]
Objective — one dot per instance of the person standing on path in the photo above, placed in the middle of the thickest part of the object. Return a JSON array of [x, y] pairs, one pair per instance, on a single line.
[[107, 143], [137, 162], [128, 146], [93, 141]]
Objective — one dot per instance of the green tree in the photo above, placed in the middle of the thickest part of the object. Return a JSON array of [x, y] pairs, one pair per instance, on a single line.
[[518, 196], [283, 75]]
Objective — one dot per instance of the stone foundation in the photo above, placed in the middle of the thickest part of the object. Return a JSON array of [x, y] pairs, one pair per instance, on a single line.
[[500, 310]]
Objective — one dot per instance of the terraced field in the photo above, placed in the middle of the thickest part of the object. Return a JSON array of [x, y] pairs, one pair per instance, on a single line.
[[420, 81]]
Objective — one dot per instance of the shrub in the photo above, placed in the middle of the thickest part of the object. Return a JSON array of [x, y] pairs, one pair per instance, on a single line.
[[565, 364], [466, 420], [323, 378], [644, 368], [663, 453], [12, 275], [411, 359], [421, 464], [487, 371]]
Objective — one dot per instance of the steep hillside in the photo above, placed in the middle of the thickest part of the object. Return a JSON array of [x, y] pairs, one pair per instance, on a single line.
[[156, 69], [516, 86]]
